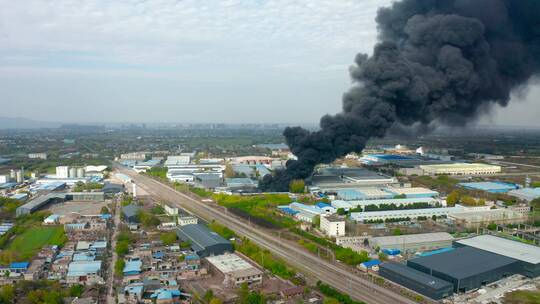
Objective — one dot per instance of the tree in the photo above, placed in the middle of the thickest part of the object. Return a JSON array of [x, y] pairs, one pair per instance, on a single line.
[[119, 267], [216, 301], [229, 171], [397, 231], [492, 226], [452, 198], [468, 200], [76, 290], [434, 217], [105, 210], [168, 238], [297, 186], [316, 221], [7, 294], [122, 248], [208, 296], [330, 301], [341, 211]]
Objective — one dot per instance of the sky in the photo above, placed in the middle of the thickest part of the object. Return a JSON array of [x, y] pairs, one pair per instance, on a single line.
[[190, 61]]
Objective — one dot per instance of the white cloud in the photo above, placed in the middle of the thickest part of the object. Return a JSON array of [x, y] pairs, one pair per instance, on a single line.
[[169, 32]]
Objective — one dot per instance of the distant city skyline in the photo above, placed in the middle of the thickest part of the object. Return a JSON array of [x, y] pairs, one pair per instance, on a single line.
[[174, 62]]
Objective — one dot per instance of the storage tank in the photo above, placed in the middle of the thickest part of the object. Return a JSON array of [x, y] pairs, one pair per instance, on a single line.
[[72, 172], [12, 174], [80, 172], [19, 177]]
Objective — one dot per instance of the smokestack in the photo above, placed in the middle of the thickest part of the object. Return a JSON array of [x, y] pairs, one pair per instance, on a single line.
[[436, 62]]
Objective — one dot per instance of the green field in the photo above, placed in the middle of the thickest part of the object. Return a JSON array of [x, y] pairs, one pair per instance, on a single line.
[[27, 244]]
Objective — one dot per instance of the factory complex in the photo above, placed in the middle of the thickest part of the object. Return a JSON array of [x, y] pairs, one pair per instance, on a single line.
[[470, 264]]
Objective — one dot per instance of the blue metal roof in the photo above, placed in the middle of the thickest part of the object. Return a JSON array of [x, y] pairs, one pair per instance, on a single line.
[[391, 157], [322, 205], [133, 267], [82, 268], [371, 263], [391, 251], [19, 265], [428, 253], [289, 211]]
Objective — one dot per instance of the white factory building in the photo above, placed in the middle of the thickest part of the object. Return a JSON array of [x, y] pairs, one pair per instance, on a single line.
[[460, 169], [377, 202], [411, 243], [332, 225], [414, 213], [235, 269]]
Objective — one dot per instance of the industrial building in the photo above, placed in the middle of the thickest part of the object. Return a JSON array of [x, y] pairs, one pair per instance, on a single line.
[[418, 281], [204, 241], [467, 268], [412, 243], [333, 179], [461, 169], [407, 213], [529, 255], [131, 213], [480, 218], [332, 225], [491, 187], [235, 269], [377, 202], [39, 202], [413, 192], [526, 194], [363, 194]]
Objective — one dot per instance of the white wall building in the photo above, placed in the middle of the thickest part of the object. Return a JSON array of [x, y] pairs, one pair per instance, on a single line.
[[332, 225], [413, 213], [461, 169], [170, 210], [62, 172], [235, 269], [37, 155], [187, 220]]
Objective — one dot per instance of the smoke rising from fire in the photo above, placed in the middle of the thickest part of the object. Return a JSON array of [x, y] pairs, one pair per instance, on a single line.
[[437, 61]]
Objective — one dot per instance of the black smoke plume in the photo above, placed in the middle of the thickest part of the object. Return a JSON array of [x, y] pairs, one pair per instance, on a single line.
[[437, 61]]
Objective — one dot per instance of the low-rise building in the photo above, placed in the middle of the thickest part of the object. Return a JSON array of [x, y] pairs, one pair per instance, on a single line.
[[84, 272], [475, 219], [461, 169], [187, 220], [412, 243], [235, 269], [332, 225]]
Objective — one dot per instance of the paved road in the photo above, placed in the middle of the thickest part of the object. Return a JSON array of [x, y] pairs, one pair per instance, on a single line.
[[336, 275], [110, 280]]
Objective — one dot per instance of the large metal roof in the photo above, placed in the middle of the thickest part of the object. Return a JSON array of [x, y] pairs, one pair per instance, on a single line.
[[416, 275], [463, 262], [412, 238], [201, 237], [512, 249]]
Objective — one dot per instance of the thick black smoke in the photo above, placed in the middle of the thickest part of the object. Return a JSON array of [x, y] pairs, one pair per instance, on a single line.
[[438, 61]]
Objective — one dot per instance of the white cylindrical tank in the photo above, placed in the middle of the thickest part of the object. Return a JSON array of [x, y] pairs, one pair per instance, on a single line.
[[80, 172], [72, 172], [134, 190], [19, 177]]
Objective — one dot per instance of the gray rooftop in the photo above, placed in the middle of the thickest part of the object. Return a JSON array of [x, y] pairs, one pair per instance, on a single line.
[[512, 249], [42, 200], [463, 262], [130, 210], [200, 236], [417, 276], [413, 238]]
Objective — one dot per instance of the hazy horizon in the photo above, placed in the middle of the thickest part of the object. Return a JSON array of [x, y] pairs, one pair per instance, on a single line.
[[189, 62]]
